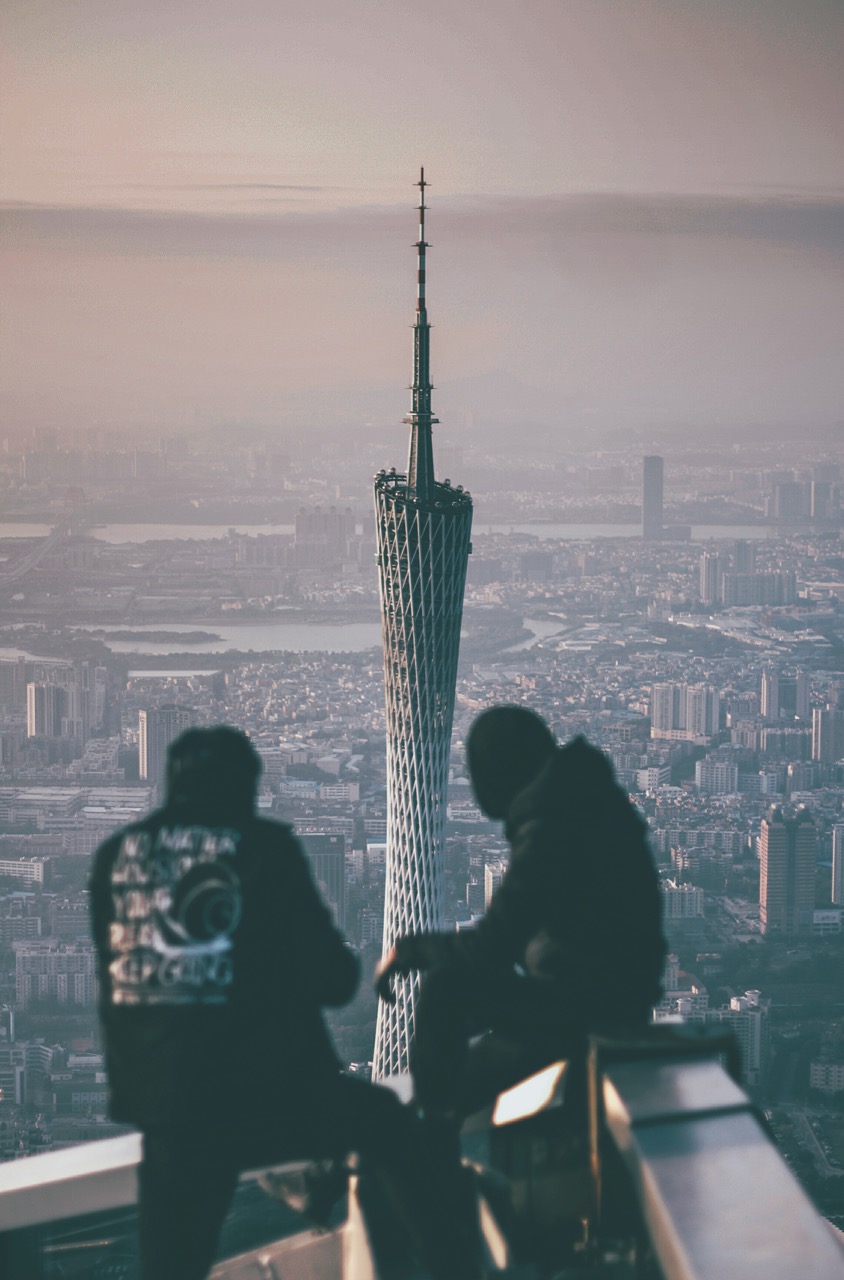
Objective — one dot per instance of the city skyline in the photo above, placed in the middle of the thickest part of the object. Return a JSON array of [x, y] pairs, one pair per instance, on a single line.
[[583, 624], [640, 209]]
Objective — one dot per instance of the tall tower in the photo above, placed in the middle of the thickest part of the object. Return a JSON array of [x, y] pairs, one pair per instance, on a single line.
[[652, 498], [423, 528]]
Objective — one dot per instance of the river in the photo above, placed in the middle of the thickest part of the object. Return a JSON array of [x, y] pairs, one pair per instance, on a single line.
[[260, 637], [133, 533], [263, 637]]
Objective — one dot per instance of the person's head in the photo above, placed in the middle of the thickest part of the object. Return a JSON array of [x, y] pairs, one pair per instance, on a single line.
[[506, 749], [218, 768]]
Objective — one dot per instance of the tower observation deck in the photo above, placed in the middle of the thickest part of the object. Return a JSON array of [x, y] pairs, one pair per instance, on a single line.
[[423, 527]]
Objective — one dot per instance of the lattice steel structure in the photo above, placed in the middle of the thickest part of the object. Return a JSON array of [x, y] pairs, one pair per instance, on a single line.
[[423, 528]]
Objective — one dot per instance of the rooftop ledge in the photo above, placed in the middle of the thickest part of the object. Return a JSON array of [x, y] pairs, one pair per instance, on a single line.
[[676, 1148]]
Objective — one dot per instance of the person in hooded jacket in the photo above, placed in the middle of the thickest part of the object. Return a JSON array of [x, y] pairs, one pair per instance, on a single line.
[[572, 940], [216, 956]]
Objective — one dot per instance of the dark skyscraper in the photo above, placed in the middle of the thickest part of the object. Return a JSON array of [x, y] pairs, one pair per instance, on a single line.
[[744, 556], [652, 499], [157, 727], [710, 577], [787, 859], [326, 852], [423, 528]]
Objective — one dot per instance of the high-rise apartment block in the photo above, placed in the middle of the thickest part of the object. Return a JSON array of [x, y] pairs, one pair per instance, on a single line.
[[717, 776], [789, 502], [828, 734], [685, 712], [787, 855], [652, 481], [744, 556], [838, 865], [493, 875], [742, 590], [824, 500], [785, 697], [12, 686], [746, 1016], [681, 903], [423, 528], [703, 711], [65, 701], [63, 971], [45, 705], [710, 577], [157, 727], [732, 578]]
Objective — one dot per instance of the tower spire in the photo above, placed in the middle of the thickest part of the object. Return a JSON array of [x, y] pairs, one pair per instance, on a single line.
[[420, 466]]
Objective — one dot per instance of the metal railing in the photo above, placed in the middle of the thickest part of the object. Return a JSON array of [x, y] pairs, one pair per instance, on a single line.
[[673, 1133]]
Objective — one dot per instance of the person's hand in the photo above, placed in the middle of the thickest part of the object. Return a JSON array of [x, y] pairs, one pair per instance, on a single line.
[[385, 971], [402, 958]]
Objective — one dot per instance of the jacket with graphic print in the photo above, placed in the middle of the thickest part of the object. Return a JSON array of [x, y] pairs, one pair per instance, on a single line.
[[216, 955]]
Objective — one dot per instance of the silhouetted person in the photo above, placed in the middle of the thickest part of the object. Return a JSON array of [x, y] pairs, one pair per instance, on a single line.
[[572, 939], [216, 955]]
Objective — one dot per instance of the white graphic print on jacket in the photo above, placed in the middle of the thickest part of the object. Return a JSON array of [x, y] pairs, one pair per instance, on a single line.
[[177, 901]]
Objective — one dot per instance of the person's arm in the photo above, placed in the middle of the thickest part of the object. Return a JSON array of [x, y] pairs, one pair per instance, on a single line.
[[497, 939], [99, 887], [327, 967]]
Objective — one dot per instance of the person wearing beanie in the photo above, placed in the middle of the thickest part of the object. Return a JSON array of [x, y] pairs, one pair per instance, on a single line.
[[572, 940], [216, 956]]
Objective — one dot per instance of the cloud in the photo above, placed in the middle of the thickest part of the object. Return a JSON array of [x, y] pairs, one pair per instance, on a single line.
[[222, 186], [809, 221], [704, 309], [134, 232]]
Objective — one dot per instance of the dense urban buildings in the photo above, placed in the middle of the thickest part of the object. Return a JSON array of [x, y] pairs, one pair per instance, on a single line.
[[422, 528], [255, 600]]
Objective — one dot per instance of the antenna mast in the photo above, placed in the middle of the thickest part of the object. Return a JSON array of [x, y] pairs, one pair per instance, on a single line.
[[420, 466]]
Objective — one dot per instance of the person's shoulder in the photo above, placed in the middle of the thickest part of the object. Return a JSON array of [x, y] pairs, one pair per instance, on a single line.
[[274, 836], [106, 852], [270, 827], [577, 785], [146, 823]]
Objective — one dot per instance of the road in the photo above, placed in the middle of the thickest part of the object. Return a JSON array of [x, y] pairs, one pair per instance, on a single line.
[[20, 567], [804, 1129]]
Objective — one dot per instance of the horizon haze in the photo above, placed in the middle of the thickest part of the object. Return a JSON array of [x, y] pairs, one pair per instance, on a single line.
[[637, 213]]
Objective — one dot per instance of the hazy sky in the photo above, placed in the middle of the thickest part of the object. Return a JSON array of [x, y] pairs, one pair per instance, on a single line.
[[637, 209]]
